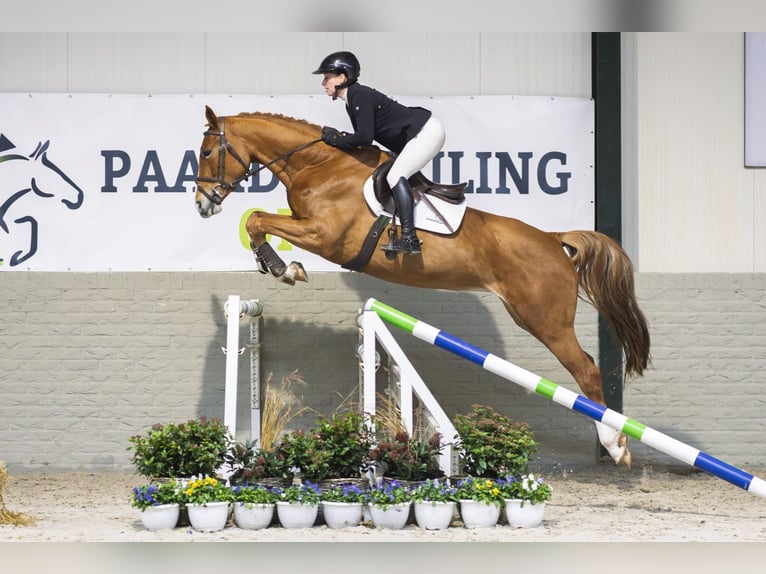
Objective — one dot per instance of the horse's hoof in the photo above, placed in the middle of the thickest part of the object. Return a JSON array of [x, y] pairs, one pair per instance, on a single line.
[[624, 460], [297, 272], [294, 272], [615, 443]]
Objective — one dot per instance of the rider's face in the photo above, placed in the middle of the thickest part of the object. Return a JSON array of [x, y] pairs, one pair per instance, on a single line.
[[330, 81]]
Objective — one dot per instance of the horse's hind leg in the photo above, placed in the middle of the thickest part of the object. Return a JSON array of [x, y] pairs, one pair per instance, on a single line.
[[553, 324]]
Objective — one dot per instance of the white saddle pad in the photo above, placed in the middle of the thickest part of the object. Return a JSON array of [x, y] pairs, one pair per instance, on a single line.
[[425, 217]]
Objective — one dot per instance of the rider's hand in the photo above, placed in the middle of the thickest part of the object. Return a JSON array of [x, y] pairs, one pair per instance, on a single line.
[[330, 136]]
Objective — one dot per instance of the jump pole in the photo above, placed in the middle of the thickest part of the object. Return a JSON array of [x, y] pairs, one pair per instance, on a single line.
[[569, 399]]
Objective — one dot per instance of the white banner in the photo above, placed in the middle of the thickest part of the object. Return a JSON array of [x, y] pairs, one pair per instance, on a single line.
[[106, 182]]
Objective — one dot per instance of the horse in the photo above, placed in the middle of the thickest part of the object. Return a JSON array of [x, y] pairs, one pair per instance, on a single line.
[[40, 178], [539, 276]]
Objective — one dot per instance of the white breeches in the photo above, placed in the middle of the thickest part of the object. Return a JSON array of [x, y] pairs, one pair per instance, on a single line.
[[418, 152]]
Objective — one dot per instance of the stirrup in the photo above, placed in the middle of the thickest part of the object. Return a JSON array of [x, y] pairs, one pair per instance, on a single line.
[[404, 245]]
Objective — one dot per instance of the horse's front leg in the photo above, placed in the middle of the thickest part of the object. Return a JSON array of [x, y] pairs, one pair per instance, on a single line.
[[267, 260]]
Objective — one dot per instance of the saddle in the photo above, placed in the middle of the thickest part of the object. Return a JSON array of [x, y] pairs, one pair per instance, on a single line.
[[420, 184], [421, 188]]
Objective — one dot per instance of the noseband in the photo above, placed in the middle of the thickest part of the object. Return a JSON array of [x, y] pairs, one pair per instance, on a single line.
[[222, 188]]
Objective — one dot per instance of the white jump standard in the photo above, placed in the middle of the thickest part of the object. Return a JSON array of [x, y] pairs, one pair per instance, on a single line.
[[573, 401]]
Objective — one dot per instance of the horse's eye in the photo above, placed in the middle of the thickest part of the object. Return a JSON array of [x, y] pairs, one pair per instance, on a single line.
[[206, 153]]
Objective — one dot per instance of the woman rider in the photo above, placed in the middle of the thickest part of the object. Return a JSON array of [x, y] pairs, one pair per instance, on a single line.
[[412, 133]]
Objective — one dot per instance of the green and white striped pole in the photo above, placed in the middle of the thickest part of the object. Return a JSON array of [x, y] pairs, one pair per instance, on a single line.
[[569, 399]]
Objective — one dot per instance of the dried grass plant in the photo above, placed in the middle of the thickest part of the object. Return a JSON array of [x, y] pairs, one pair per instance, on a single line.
[[7, 516], [281, 405], [388, 416]]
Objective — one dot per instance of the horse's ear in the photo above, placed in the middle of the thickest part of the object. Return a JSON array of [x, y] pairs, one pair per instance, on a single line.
[[212, 119]]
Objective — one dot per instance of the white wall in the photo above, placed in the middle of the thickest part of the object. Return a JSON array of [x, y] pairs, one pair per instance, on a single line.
[[698, 208]]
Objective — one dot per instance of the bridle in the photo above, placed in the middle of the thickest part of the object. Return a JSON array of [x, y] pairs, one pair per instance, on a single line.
[[222, 188]]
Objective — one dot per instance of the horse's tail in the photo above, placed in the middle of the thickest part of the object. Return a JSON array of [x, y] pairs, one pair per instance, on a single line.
[[606, 278]]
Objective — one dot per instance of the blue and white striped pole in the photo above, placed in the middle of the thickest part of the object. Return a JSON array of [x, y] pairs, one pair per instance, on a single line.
[[569, 399]]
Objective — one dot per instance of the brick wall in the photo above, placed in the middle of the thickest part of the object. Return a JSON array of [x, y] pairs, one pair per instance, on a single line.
[[89, 359]]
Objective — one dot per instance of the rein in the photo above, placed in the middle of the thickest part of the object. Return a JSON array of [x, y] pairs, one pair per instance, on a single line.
[[220, 182]]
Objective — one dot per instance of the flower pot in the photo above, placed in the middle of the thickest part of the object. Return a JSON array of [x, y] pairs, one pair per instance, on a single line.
[[524, 514], [253, 516], [208, 517], [476, 514], [341, 514], [393, 517], [160, 517], [434, 515], [296, 515]]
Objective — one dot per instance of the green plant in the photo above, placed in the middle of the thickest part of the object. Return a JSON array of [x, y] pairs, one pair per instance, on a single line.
[[345, 492], [481, 490], [295, 450], [388, 493], [251, 495], [338, 447], [529, 488], [205, 490], [491, 445], [342, 444], [434, 491], [304, 493], [155, 495], [196, 447], [248, 463], [406, 458]]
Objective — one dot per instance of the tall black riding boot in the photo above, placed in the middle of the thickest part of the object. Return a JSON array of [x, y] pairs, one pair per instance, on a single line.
[[408, 242]]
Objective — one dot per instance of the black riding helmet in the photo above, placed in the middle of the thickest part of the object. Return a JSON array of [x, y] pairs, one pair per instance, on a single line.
[[341, 63]]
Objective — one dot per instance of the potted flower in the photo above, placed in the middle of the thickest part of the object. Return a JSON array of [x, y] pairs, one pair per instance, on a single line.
[[170, 450], [408, 459], [253, 506], [342, 505], [158, 503], [389, 503], [434, 503], [298, 505], [492, 445], [525, 499], [480, 501], [207, 500]]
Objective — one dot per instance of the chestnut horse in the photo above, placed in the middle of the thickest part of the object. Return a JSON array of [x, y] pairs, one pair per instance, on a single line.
[[537, 275]]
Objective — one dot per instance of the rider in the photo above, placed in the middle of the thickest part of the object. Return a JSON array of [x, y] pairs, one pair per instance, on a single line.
[[412, 133]]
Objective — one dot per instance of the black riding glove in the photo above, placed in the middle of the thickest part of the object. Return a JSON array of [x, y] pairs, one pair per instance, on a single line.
[[330, 136]]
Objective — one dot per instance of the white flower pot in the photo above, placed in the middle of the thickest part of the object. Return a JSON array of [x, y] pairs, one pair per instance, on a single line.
[[253, 516], [434, 515], [342, 514], [394, 517], [160, 517], [476, 514], [208, 517], [524, 514], [296, 515]]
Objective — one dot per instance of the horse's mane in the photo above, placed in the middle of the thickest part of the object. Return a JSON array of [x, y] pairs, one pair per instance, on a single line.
[[278, 117], [366, 154]]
